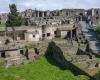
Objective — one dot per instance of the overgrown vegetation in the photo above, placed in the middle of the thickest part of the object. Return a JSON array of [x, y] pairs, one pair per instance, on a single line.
[[97, 29], [38, 70]]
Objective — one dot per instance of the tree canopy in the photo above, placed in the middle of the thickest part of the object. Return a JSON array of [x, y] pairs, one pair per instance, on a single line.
[[13, 18]]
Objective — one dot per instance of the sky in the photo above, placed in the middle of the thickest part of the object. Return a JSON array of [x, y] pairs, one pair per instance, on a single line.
[[48, 4]]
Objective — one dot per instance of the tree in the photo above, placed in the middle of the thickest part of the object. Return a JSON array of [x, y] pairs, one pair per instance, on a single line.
[[13, 18], [26, 22]]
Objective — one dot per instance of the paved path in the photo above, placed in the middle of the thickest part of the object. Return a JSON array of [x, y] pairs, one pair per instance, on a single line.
[[91, 36]]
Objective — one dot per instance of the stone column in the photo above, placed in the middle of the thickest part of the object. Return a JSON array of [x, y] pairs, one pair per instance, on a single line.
[[26, 34], [76, 31], [71, 34], [81, 18], [38, 14], [35, 14], [42, 14]]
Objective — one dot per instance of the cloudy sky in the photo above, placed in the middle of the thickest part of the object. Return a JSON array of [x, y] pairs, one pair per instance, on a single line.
[[48, 4]]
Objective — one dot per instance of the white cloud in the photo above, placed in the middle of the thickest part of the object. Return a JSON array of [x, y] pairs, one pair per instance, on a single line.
[[48, 4]]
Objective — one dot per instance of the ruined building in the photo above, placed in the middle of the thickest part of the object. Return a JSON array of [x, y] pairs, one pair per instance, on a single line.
[[94, 16], [36, 16]]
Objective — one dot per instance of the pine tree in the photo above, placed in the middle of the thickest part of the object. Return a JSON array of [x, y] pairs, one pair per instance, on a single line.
[[13, 19]]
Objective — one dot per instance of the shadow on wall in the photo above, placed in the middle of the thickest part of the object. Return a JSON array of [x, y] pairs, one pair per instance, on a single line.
[[55, 56], [51, 53]]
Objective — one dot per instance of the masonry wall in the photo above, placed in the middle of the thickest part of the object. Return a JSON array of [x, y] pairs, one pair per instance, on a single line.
[[64, 34], [33, 37], [49, 32]]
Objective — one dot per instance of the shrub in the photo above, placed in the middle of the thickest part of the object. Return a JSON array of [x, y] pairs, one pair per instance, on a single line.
[[98, 29]]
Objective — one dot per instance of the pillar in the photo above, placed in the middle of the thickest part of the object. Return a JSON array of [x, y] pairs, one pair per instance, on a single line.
[[26, 36], [81, 18], [42, 14], [76, 32], [35, 14], [71, 34], [38, 14]]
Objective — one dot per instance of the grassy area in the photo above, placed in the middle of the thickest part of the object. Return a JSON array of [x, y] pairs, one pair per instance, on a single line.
[[38, 70], [2, 25], [98, 59]]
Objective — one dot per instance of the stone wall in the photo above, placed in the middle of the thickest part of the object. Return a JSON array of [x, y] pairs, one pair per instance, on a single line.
[[94, 16], [18, 56]]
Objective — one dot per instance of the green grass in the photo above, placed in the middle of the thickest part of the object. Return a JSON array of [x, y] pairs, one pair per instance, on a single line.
[[38, 70], [98, 59], [2, 25]]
